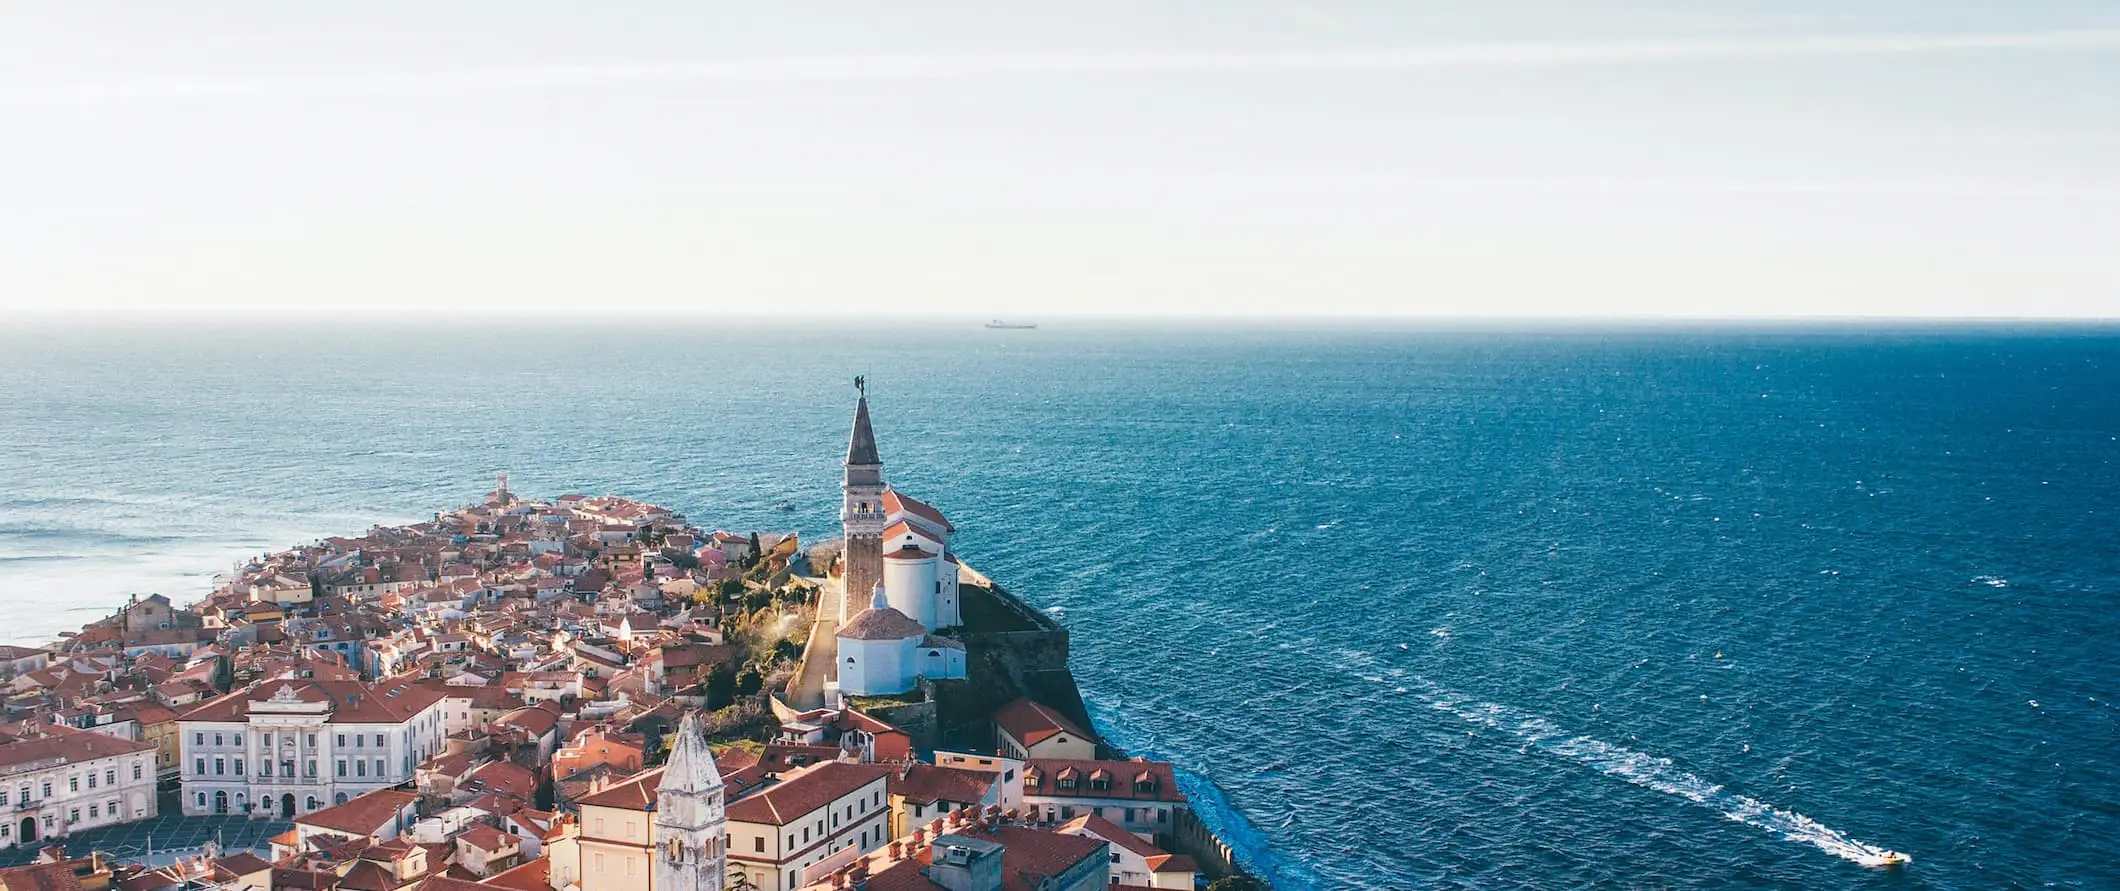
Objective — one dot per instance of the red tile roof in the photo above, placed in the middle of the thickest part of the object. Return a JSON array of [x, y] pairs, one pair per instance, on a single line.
[[1031, 722], [23, 744], [927, 784], [366, 815], [881, 624], [1041, 776], [895, 501], [804, 791]]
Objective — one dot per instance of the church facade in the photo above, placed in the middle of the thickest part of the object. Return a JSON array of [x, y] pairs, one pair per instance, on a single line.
[[898, 563]]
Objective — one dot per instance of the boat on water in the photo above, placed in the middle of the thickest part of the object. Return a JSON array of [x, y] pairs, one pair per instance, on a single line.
[[997, 323], [1882, 858]]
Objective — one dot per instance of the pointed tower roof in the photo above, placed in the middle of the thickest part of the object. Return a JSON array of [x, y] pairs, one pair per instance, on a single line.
[[691, 765], [861, 446]]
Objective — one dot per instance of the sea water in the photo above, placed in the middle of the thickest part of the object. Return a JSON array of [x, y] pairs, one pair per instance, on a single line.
[[1408, 607]]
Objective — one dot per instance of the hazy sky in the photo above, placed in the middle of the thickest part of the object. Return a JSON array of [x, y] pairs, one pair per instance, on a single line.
[[1692, 158]]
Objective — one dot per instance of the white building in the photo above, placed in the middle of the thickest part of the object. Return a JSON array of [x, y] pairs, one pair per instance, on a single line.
[[893, 539], [815, 820], [286, 748], [884, 651], [56, 780]]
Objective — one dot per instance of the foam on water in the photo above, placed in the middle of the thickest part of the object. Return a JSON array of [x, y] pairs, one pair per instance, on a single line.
[[1651, 772]]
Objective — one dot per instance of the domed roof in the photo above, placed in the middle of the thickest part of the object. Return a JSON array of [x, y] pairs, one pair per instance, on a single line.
[[881, 623], [909, 552]]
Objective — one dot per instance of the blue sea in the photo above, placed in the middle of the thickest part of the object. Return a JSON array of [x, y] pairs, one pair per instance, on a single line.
[[1459, 606]]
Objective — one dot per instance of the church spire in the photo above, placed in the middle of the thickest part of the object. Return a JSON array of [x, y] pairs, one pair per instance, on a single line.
[[691, 766], [861, 446]]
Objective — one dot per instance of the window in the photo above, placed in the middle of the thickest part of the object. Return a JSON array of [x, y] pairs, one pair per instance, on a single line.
[[378, 740], [217, 739], [310, 768], [599, 861], [199, 766], [758, 845], [73, 784], [198, 739], [92, 781], [73, 815], [312, 740], [112, 809], [360, 768], [342, 767], [379, 767], [342, 740], [339, 798], [265, 739], [239, 765], [358, 740], [136, 770], [199, 798], [94, 811], [312, 803]]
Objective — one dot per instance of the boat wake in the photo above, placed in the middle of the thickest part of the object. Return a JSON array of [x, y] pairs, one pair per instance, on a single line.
[[1660, 774]]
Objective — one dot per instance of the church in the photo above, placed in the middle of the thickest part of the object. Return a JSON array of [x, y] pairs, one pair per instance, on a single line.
[[897, 562]]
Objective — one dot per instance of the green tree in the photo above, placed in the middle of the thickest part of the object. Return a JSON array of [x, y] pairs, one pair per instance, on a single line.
[[749, 682]]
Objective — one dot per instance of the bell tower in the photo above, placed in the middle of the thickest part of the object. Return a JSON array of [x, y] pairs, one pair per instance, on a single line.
[[861, 508], [691, 834]]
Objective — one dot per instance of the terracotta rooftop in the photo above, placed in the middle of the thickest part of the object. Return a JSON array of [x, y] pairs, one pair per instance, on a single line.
[[802, 792], [1031, 722], [1128, 780], [366, 815], [881, 624]]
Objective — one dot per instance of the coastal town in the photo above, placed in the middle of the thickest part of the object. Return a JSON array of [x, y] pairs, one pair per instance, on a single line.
[[586, 693]]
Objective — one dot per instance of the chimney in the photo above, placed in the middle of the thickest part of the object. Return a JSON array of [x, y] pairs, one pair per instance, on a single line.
[[897, 850]]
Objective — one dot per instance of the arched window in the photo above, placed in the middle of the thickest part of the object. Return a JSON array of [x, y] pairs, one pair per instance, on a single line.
[[339, 798], [677, 850], [312, 803], [850, 660]]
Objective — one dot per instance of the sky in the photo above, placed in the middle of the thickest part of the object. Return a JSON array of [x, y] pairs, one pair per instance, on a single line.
[[1570, 158]]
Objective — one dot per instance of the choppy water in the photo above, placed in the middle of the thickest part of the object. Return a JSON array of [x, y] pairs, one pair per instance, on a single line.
[[1419, 609]]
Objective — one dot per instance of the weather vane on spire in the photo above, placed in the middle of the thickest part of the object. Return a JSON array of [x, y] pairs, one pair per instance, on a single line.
[[861, 384]]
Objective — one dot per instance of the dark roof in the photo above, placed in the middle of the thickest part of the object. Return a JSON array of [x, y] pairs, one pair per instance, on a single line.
[[861, 446]]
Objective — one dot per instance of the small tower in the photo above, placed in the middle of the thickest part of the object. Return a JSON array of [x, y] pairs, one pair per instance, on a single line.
[[861, 513], [691, 834], [501, 496]]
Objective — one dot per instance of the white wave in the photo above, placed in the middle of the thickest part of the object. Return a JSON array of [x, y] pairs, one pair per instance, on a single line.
[[1651, 772]]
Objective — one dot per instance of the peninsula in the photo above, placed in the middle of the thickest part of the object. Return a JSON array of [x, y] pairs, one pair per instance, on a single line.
[[586, 694]]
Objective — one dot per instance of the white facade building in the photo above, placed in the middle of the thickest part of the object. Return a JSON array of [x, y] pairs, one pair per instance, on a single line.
[[287, 748], [56, 780], [884, 651]]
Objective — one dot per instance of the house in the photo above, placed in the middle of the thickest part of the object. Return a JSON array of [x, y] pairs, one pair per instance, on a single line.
[[984, 852], [377, 816], [1026, 729], [56, 780], [1135, 861], [290, 747], [483, 851], [921, 792], [810, 815], [1141, 796]]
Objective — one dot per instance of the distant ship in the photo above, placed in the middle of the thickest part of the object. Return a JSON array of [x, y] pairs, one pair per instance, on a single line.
[[997, 323]]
